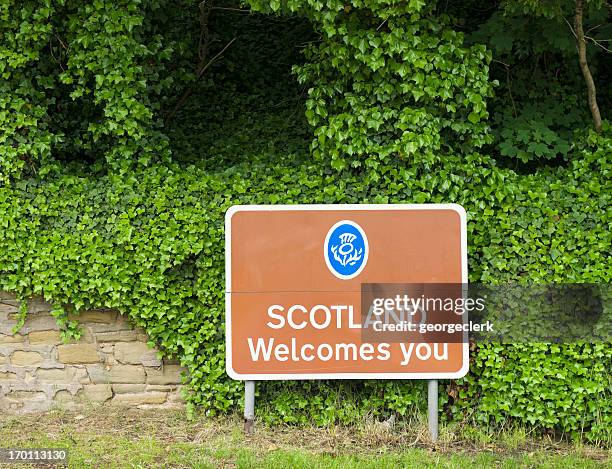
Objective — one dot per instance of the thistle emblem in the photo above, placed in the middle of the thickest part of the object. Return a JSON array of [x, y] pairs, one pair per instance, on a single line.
[[345, 252], [346, 249]]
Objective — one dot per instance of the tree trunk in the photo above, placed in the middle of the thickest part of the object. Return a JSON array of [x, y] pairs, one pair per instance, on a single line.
[[584, 65]]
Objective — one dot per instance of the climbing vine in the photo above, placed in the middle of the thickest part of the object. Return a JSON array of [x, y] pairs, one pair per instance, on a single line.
[[113, 184]]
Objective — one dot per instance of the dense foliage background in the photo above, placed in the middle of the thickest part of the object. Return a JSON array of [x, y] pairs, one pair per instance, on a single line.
[[127, 128]]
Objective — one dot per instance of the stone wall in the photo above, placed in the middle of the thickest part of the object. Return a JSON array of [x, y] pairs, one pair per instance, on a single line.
[[111, 364]]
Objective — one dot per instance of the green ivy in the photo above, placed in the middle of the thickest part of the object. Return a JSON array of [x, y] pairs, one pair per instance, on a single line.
[[25, 139], [103, 203], [389, 81], [151, 246]]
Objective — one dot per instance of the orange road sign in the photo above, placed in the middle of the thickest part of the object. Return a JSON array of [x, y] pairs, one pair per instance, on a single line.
[[294, 288]]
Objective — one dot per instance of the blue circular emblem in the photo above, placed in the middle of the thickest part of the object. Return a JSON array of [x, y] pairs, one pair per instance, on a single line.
[[346, 249]]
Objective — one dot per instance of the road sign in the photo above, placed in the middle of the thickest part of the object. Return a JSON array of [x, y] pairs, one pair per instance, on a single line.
[[295, 277]]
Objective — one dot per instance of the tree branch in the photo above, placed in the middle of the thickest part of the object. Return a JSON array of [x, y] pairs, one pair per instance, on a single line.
[[598, 43], [189, 91], [584, 65], [205, 7], [203, 69]]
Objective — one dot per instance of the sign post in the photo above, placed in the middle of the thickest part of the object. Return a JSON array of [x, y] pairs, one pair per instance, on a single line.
[[432, 408], [249, 406], [342, 292]]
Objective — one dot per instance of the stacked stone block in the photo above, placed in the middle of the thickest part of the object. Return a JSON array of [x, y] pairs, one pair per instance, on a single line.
[[111, 364]]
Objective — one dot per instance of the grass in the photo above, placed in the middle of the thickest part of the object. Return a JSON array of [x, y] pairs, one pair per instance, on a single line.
[[108, 437]]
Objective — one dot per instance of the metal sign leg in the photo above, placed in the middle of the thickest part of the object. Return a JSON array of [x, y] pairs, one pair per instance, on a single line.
[[432, 408], [249, 406]]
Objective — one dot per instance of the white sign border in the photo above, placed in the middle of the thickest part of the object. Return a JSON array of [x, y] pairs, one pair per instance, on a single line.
[[355, 207]]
